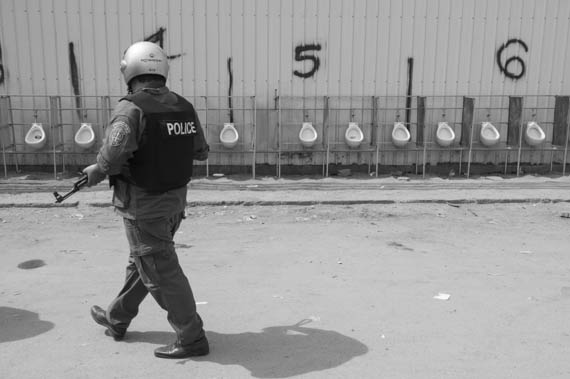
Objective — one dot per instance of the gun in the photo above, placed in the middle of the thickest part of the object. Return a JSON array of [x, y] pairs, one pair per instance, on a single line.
[[76, 187]]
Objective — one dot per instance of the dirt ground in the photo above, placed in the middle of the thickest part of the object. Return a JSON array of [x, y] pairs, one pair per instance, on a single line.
[[312, 291]]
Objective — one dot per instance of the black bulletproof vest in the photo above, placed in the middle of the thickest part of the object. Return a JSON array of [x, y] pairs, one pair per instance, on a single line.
[[164, 158]]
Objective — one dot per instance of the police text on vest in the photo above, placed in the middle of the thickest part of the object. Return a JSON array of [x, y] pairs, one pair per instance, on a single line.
[[180, 128]]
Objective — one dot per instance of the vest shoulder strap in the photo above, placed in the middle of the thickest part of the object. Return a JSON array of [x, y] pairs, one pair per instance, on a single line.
[[147, 102]]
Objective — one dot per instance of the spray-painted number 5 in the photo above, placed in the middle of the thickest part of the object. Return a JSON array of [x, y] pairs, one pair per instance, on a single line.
[[302, 55]]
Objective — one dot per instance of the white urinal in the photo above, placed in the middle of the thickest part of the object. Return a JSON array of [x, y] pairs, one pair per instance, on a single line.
[[353, 135], [444, 134], [308, 134], [85, 136], [534, 135], [36, 136], [489, 134], [400, 134], [229, 135]]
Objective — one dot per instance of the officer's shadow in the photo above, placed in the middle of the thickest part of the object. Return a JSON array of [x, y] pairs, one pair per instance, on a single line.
[[275, 352]]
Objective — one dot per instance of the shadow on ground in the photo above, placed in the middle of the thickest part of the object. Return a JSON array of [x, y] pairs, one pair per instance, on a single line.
[[18, 324], [283, 351], [275, 352]]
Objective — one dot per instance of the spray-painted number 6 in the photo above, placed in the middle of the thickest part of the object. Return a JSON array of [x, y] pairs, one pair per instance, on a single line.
[[504, 67], [301, 55]]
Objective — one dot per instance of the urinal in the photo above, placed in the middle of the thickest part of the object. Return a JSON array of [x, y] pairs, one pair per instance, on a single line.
[[400, 134], [444, 134], [308, 134], [229, 135], [36, 136], [534, 135], [489, 134], [85, 136], [353, 135]]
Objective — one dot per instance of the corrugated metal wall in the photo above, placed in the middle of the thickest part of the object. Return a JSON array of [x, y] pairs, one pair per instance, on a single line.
[[362, 46], [295, 48]]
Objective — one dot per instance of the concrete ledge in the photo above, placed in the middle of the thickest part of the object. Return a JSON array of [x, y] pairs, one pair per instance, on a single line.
[[39, 205], [218, 203], [24, 193]]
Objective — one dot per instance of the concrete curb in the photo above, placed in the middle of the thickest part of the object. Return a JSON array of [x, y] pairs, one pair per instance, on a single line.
[[40, 205], [20, 193], [361, 202], [246, 203]]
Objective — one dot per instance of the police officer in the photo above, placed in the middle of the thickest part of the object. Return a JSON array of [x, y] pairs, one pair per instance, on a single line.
[[153, 137]]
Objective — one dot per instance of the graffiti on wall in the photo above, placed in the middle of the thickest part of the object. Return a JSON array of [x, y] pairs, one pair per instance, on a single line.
[[74, 75], [158, 38], [409, 91], [307, 53], [230, 89], [1, 67], [512, 60], [509, 63]]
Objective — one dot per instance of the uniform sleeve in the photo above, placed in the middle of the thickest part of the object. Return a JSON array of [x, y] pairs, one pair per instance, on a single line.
[[121, 138], [201, 146]]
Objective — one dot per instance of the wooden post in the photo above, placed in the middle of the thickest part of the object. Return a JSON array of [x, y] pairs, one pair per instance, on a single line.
[[467, 120], [421, 120], [560, 123], [374, 124], [515, 120]]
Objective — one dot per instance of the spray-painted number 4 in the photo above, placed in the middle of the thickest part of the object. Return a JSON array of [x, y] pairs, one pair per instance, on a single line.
[[302, 53]]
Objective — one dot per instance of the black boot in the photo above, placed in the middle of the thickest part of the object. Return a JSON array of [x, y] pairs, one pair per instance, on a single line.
[[175, 350], [100, 317]]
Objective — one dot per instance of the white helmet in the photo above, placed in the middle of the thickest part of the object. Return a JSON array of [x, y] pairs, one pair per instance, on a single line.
[[143, 58]]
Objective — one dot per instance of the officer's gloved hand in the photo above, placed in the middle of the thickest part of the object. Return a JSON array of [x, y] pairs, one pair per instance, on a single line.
[[94, 175], [202, 155]]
